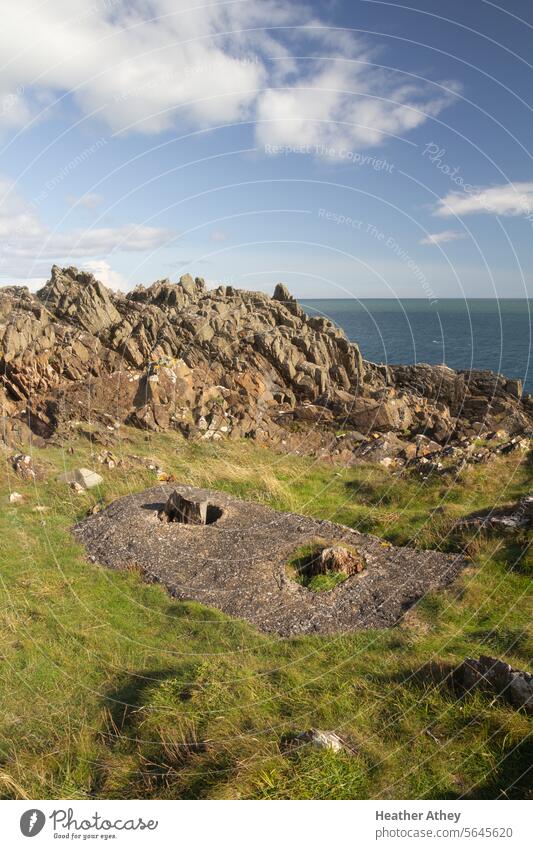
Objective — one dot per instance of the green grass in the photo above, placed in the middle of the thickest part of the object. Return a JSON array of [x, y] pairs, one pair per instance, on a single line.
[[298, 569], [324, 583], [300, 566], [111, 689]]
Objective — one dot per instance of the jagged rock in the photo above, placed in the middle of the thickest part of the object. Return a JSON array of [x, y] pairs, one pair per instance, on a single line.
[[83, 478], [79, 298], [225, 363], [281, 293]]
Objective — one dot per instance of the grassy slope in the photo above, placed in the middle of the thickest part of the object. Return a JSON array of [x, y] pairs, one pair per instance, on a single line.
[[111, 689]]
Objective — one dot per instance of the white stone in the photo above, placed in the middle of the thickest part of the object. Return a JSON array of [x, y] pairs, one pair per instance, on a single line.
[[322, 739], [85, 478]]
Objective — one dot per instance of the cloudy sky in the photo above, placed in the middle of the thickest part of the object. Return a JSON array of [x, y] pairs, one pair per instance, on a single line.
[[352, 148]]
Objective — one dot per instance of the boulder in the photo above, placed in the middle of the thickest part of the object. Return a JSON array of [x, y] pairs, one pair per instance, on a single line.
[[425, 446], [84, 478], [384, 447], [387, 414]]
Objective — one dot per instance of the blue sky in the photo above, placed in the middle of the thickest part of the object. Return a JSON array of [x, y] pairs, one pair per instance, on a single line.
[[362, 148]]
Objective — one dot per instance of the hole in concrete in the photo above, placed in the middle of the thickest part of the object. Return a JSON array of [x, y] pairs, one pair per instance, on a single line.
[[213, 514], [320, 564], [188, 511]]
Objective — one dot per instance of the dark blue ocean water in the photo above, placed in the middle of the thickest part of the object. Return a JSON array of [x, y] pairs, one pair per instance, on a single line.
[[478, 333]]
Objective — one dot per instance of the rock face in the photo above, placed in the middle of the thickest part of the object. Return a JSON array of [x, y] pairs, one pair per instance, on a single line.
[[221, 363]]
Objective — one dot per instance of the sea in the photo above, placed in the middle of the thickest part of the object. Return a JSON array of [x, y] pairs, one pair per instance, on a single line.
[[478, 333]]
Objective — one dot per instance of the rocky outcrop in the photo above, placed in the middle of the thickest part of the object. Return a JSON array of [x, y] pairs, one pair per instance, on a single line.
[[79, 299], [498, 678], [224, 363], [513, 517]]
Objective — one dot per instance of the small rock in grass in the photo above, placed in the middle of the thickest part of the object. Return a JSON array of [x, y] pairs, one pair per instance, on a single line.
[[165, 477], [85, 478], [24, 468], [16, 498], [321, 740]]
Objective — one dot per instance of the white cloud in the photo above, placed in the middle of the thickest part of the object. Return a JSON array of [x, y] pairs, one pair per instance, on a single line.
[[90, 200], [507, 199], [442, 237], [141, 64], [342, 106], [85, 243], [103, 272], [14, 109], [28, 245], [147, 67]]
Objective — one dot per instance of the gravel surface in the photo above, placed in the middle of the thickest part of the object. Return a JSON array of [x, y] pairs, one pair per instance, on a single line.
[[238, 563]]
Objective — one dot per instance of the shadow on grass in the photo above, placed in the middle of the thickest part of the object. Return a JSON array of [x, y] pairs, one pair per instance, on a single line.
[[513, 552], [123, 701], [505, 641], [372, 494], [172, 743], [511, 779]]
